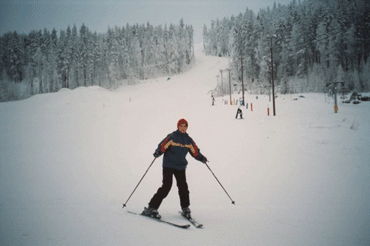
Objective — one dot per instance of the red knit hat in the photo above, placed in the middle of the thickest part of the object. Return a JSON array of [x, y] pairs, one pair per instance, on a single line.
[[182, 121]]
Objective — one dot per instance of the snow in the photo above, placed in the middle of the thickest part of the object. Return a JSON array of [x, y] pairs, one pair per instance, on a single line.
[[69, 160]]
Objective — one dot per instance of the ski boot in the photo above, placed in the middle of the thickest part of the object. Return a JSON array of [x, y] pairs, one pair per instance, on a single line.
[[151, 212], [186, 212]]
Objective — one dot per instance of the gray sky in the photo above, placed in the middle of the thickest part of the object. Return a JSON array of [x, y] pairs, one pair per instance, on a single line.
[[24, 16]]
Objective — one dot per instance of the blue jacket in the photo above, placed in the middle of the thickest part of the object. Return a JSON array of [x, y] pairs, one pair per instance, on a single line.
[[175, 148]]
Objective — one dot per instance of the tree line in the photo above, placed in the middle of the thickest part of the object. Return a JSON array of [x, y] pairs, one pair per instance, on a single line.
[[314, 42], [43, 61]]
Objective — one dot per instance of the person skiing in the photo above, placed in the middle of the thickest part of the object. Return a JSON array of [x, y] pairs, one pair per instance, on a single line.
[[175, 148], [239, 112]]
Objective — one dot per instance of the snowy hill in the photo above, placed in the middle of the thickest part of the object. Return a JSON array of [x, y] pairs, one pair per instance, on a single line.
[[69, 160]]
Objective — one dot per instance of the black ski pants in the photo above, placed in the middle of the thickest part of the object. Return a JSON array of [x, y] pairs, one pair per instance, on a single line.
[[163, 191]]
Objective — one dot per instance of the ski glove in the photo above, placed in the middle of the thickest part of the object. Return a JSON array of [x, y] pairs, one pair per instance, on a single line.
[[157, 153], [203, 159]]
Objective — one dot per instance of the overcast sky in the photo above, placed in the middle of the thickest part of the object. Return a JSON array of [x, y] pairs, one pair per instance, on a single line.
[[24, 16]]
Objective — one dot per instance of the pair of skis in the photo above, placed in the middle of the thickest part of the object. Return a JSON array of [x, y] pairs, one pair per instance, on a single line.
[[191, 220]]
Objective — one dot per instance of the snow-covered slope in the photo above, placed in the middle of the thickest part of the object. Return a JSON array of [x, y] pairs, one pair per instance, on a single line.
[[69, 160]]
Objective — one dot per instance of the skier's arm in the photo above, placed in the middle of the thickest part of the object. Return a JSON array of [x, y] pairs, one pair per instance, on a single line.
[[195, 152], [162, 147]]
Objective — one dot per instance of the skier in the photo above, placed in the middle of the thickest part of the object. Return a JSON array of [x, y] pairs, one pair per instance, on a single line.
[[239, 112], [175, 148]]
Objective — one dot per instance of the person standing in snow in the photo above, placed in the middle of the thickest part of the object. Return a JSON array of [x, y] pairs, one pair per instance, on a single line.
[[239, 112], [175, 147]]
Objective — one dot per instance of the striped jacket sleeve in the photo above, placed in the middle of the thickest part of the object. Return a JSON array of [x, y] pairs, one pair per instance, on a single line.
[[195, 151], [163, 145]]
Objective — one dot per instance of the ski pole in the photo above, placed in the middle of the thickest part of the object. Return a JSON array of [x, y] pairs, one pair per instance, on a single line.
[[124, 205], [232, 202]]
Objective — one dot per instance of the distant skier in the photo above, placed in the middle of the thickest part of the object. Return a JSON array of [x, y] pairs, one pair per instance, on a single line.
[[213, 100], [175, 148], [239, 112]]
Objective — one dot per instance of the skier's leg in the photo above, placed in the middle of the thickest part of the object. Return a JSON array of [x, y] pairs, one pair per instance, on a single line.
[[163, 191], [183, 188]]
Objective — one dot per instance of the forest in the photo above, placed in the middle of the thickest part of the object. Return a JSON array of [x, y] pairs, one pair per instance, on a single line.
[[44, 61], [308, 44], [311, 44]]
